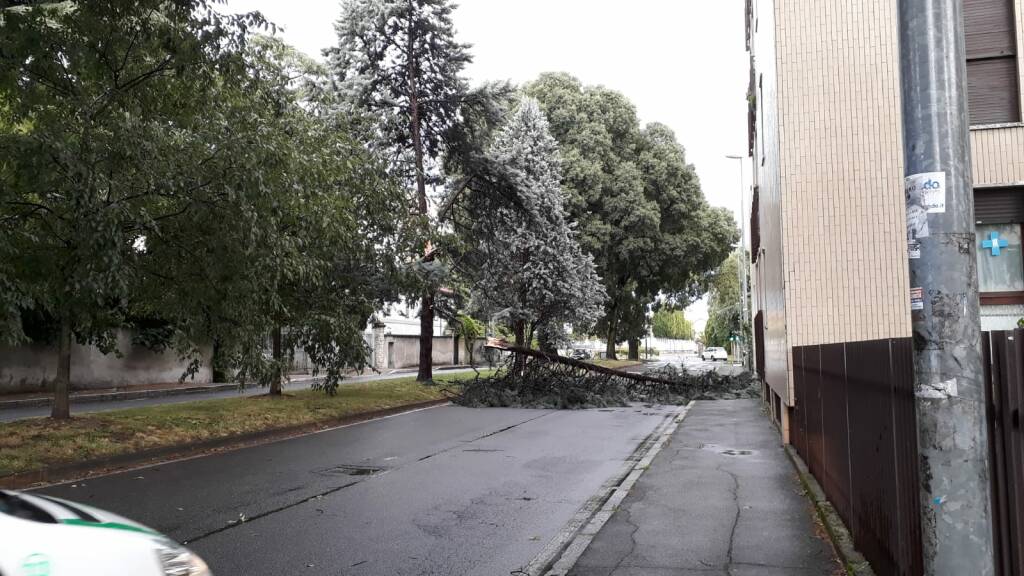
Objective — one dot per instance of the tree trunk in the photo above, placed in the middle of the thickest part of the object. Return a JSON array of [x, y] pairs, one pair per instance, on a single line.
[[215, 363], [278, 353], [610, 348], [520, 331], [426, 373], [634, 348], [61, 409]]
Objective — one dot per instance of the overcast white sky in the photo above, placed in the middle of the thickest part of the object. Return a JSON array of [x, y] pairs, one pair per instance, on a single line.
[[682, 62]]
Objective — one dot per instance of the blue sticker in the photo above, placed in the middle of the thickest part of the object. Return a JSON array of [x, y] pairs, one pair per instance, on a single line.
[[995, 244]]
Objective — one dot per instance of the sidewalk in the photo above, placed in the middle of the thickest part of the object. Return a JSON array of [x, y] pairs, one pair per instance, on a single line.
[[721, 499]]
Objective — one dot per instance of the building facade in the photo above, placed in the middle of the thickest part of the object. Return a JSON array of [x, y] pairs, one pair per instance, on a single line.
[[829, 236]]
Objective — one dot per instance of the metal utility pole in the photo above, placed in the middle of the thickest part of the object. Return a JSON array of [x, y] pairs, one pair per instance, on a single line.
[[948, 377], [744, 346]]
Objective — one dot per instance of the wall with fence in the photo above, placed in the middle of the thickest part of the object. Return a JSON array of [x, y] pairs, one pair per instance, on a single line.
[[1004, 360], [854, 424], [404, 352], [33, 367]]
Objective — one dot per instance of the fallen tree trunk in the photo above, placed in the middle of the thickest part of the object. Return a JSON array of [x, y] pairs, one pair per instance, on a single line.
[[496, 344]]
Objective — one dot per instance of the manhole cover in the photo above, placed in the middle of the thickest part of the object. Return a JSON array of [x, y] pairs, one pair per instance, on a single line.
[[731, 452], [351, 470]]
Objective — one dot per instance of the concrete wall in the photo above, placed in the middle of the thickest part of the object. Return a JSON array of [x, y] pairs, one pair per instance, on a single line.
[[405, 351], [769, 272], [834, 265], [33, 368]]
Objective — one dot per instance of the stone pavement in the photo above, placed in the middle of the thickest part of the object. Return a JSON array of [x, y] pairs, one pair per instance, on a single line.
[[721, 499]]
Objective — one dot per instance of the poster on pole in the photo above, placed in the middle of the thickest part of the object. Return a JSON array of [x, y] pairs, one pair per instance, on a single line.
[[925, 194], [929, 190]]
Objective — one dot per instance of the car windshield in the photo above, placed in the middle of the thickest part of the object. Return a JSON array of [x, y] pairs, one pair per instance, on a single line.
[[13, 505]]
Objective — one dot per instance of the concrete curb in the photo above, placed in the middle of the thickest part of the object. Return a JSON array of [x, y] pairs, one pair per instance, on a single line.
[[854, 561], [103, 466], [565, 549], [89, 398]]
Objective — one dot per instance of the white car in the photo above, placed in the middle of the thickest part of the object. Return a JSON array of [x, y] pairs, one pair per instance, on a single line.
[[714, 354], [44, 536]]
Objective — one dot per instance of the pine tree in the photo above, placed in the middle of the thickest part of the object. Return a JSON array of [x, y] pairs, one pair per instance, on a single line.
[[534, 268], [398, 63]]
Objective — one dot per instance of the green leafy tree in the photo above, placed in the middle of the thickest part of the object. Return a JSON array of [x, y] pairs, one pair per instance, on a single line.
[[334, 259], [397, 63], [470, 330], [106, 138], [725, 318], [166, 178], [673, 324], [639, 205]]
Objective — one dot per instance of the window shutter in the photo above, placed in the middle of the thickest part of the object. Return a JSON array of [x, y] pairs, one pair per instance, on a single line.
[[999, 205], [993, 79], [992, 91], [988, 28]]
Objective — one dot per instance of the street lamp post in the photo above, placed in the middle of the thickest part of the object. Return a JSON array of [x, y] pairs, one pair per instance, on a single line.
[[744, 347]]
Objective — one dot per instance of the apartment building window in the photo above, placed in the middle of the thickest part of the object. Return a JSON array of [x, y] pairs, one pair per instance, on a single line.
[[993, 80], [999, 214], [1000, 261]]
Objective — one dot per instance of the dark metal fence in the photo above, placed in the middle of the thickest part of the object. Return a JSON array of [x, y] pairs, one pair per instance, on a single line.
[[1004, 360], [854, 425], [759, 344]]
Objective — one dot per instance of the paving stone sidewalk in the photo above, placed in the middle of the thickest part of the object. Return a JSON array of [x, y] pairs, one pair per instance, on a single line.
[[721, 499]]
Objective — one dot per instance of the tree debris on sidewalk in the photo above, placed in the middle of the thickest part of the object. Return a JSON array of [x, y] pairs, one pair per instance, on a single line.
[[534, 379]]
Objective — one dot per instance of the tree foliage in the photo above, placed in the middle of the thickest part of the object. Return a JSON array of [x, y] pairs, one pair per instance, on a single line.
[[668, 323], [639, 205], [166, 171], [470, 330], [725, 317], [397, 64], [533, 269]]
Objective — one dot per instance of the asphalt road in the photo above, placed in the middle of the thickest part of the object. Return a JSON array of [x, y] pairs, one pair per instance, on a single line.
[[300, 383], [441, 491]]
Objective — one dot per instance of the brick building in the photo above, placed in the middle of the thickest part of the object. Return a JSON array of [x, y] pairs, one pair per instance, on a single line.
[[828, 218], [829, 248]]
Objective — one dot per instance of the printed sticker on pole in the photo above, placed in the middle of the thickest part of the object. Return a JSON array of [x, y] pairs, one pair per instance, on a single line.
[[927, 190], [917, 298], [925, 194]]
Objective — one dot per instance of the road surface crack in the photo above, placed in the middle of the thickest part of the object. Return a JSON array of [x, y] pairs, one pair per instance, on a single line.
[[627, 518], [236, 524], [488, 435], [736, 519]]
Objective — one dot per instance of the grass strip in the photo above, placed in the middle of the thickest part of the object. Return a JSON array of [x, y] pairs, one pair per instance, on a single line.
[[615, 363], [39, 443]]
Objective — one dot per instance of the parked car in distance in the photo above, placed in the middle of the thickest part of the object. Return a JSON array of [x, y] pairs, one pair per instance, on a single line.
[[714, 354], [53, 537], [580, 354]]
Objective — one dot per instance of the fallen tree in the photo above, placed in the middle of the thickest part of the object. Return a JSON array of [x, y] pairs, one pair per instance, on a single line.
[[530, 378]]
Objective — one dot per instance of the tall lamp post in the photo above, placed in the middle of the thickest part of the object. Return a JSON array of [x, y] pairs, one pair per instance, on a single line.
[[744, 345]]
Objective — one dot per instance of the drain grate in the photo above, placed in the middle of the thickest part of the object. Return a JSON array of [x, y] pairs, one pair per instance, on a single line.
[[351, 470]]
